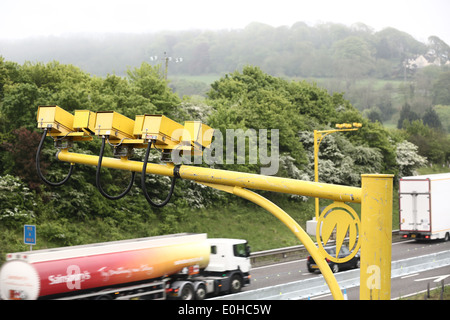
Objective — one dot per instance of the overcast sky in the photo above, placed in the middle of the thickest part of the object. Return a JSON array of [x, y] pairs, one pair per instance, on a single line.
[[25, 18]]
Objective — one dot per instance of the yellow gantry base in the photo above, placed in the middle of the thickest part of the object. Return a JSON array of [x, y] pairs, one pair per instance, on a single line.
[[376, 237]]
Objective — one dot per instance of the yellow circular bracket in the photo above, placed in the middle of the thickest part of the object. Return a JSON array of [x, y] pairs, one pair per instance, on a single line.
[[344, 219]]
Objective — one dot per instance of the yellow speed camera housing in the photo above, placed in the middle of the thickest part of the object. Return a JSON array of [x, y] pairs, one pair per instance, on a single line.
[[165, 132], [196, 136], [113, 125], [58, 121], [84, 120]]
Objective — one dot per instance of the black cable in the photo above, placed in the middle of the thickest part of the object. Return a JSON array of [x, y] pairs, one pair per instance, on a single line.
[[97, 177], [38, 165], [144, 187]]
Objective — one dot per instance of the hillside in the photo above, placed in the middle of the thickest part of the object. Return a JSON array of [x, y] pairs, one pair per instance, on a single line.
[[321, 51], [378, 72]]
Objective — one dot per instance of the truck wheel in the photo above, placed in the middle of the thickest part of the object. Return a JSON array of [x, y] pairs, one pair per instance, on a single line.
[[188, 292], [236, 283], [200, 293], [447, 237]]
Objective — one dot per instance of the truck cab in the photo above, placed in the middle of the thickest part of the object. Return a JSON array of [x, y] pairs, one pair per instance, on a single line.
[[227, 272], [228, 255], [230, 262]]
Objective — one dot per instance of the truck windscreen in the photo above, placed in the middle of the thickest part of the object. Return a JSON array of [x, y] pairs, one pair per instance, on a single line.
[[241, 250]]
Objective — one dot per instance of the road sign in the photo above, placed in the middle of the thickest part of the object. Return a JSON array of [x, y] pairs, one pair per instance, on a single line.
[[342, 218], [29, 234]]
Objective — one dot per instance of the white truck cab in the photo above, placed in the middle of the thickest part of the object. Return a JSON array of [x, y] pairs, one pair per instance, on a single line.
[[228, 255], [227, 272]]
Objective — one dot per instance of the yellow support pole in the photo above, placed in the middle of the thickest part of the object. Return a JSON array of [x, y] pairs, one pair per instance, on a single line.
[[225, 177], [294, 227], [272, 183], [316, 170], [113, 163], [376, 237], [318, 137]]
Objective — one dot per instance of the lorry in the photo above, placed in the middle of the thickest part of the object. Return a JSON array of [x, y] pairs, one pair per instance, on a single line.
[[424, 207], [179, 266]]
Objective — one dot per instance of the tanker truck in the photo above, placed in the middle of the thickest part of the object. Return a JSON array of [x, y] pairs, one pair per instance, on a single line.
[[178, 266]]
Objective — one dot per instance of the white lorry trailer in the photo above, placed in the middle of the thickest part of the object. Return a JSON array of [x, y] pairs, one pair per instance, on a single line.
[[180, 266], [424, 206]]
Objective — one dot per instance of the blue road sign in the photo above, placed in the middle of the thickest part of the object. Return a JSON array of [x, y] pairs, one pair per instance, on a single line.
[[29, 234]]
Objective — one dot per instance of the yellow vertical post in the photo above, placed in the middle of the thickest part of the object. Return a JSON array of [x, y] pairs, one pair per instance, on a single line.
[[376, 237], [316, 171]]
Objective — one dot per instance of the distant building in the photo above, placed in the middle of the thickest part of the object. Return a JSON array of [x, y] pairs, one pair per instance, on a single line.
[[419, 62], [426, 60]]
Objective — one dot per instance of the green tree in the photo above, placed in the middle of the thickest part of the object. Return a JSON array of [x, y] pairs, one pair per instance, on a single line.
[[149, 83], [255, 100], [116, 93], [432, 144], [440, 49], [406, 114], [395, 44], [408, 158], [353, 59], [17, 106], [431, 119], [16, 159], [441, 89], [340, 161], [17, 202], [374, 115], [9, 73], [444, 116]]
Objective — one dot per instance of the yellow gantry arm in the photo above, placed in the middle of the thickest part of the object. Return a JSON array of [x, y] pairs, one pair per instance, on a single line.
[[224, 177], [296, 229]]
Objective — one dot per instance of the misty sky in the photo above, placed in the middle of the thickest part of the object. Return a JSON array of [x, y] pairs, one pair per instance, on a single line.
[[24, 18]]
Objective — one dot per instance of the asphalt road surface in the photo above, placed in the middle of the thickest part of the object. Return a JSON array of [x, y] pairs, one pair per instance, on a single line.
[[400, 287]]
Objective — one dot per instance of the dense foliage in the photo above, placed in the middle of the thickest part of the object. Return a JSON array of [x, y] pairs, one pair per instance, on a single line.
[[77, 213]]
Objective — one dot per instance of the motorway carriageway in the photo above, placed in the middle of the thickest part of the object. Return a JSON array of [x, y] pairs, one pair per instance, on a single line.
[[291, 271]]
